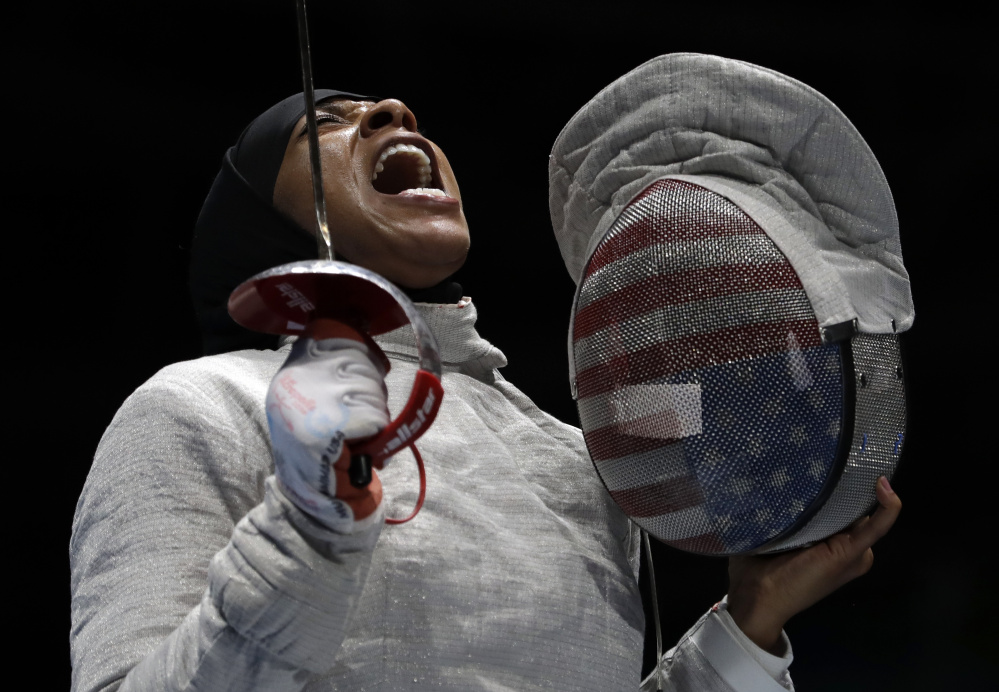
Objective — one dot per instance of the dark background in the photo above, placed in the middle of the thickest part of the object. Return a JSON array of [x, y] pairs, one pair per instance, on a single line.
[[118, 116]]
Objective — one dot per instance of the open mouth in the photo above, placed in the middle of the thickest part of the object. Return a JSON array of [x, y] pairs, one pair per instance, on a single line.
[[405, 168]]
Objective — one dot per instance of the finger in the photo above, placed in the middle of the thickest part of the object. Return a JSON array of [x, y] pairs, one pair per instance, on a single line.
[[363, 501], [866, 533]]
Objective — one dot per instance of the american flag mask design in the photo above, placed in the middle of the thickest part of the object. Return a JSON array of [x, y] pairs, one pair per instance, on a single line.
[[718, 414]]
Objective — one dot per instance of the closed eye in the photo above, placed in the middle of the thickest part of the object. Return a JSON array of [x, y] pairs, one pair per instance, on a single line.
[[332, 117], [325, 117]]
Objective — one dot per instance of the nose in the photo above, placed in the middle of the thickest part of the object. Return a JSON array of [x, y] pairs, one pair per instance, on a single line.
[[391, 113]]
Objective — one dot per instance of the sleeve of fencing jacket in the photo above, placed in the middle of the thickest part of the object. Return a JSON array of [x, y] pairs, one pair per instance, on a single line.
[[715, 656], [190, 569]]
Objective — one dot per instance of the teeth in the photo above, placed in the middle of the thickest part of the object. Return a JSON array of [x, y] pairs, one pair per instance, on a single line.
[[424, 191], [422, 159]]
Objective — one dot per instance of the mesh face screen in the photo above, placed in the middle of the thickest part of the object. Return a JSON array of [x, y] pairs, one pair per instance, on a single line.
[[710, 407], [876, 444]]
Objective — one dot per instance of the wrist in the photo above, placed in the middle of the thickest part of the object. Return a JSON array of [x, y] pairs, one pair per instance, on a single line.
[[760, 624], [327, 541]]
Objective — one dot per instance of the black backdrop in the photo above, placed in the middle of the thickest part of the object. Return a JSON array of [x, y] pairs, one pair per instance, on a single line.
[[118, 117]]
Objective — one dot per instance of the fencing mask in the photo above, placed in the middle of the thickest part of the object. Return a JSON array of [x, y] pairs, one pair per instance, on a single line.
[[733, 346]]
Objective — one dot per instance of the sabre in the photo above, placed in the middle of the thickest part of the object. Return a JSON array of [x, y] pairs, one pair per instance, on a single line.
[[307, 297]]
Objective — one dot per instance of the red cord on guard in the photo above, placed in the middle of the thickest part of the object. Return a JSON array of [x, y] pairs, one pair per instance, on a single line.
[[423, 489]]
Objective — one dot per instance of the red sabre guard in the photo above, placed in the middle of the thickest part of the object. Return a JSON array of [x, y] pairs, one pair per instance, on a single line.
[[290, 298]]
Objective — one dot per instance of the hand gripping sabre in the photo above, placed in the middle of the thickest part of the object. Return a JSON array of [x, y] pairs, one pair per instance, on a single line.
[[289, 299]]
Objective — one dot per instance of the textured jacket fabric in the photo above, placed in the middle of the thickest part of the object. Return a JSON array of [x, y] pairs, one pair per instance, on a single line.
[[191, 570]]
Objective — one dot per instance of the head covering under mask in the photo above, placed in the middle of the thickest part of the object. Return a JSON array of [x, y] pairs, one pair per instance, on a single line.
[[239, 233]]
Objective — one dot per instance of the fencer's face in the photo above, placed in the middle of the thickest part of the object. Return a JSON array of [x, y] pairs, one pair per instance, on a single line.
[[392, 201]]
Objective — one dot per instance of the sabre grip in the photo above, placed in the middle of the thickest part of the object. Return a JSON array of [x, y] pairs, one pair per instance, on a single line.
[[360, 470]]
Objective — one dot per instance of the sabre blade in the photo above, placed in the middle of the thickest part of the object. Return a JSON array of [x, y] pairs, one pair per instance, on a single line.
[[323, 240]]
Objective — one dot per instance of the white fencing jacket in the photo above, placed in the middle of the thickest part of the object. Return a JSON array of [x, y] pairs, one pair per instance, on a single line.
[[191, 570]]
